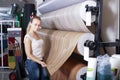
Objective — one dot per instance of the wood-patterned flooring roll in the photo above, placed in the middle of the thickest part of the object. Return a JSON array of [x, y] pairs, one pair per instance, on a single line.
[[70, 18], [72, 69], [58, 75], [59, 45]]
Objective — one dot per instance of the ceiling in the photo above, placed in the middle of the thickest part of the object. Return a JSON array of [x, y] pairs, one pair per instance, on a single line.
[[7, 3]]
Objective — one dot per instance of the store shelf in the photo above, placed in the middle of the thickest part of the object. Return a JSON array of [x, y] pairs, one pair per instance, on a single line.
[[3, 41]]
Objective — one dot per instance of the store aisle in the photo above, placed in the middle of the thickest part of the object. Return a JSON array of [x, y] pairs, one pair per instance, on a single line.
[[4, 74]]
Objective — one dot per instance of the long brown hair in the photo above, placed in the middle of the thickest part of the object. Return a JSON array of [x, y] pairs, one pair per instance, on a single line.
[[31, 20]]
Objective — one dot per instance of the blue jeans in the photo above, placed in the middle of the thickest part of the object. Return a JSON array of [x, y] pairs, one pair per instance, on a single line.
[[35, 71]]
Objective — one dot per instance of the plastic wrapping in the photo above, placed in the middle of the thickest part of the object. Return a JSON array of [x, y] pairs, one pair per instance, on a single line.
[[115, 66], [70, 18], [52, 5], [104, 68]]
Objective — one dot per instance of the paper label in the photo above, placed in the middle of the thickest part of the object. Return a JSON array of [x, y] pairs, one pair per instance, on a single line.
[[86, 53]]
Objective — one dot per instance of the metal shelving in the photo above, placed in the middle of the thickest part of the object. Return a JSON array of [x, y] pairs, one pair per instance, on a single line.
[[12, 23]]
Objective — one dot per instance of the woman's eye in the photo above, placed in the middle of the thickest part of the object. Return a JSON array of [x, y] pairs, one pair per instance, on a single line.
[[35, 24]]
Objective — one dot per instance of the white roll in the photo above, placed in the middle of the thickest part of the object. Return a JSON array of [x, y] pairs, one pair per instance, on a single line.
[[52, 5], [70, 18], [91, 69], [81, 41], [83, 12], [81, 73], [115, 60], [115, 66], [88, 18]]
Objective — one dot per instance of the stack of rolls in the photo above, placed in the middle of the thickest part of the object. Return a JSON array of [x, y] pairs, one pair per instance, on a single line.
[[59, 45], [64, 32], [72, 69], [70, 18]]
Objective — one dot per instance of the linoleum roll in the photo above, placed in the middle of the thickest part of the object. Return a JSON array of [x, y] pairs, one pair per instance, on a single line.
[[58, 75], [71, 69], [70, 18], [60, 45], [52, 5]]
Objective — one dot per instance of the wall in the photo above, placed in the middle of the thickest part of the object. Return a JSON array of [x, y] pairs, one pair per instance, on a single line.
[[110, 22]]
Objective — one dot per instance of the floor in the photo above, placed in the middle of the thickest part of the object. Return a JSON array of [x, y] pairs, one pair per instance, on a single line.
[[4, 73]]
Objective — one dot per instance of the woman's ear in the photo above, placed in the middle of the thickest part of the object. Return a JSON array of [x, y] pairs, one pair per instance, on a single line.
[[30, 23]]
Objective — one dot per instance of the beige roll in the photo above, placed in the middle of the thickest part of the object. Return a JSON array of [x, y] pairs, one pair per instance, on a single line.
[[58, 75], [71, 67], [70, 70], [60, 45], [70, 18]]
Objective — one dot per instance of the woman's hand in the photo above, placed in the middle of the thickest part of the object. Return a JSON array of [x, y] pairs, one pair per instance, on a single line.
[[43, 64]]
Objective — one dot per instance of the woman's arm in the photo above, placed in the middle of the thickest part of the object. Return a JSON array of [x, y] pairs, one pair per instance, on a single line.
[[28, 51]]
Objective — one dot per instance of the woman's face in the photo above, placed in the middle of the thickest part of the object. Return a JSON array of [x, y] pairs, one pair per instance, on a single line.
[[36, 25]]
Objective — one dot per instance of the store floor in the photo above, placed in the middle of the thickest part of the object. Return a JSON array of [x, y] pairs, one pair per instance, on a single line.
[[4, 74]]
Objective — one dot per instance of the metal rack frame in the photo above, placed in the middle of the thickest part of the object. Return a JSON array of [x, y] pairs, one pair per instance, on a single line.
[[97, 44], [2, 53], [98, 34]]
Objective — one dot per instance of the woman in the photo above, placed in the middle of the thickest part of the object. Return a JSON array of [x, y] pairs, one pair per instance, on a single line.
[[34, 51]]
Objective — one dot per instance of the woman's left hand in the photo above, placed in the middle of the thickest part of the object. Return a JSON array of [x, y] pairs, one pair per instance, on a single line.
[[43, 64]]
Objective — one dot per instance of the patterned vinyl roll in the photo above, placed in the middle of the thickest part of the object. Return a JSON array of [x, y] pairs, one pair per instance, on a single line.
[[60, 45], [52, 5], [72, 69], [70, 18]]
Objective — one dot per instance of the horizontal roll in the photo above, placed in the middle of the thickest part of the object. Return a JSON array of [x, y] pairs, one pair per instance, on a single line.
[[80, 45], [72, 69], [71, 18], [60, 45], [58, 75], [52, 5]]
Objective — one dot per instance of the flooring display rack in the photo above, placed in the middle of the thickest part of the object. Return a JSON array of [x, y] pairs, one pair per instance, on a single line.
[[12, 23], [98, 34], [97, 44]]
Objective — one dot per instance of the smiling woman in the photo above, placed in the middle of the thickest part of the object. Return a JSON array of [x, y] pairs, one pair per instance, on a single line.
[[61, 44], [34, 47]]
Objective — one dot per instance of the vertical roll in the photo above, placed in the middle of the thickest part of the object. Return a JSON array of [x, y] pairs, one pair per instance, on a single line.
[[115, 67], [28, 9], [91, 69]]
